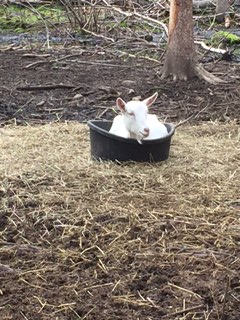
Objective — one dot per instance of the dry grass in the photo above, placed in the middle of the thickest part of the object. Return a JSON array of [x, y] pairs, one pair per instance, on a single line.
[[90, 240]]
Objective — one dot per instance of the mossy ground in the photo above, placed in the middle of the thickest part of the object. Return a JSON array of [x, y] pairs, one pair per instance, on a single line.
[[22, 19]]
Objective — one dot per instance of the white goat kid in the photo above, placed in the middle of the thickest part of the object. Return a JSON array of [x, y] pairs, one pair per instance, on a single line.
[[136, 123]]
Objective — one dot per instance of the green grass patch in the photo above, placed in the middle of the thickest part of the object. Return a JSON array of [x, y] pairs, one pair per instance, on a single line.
[[226, 37], [21, 19]]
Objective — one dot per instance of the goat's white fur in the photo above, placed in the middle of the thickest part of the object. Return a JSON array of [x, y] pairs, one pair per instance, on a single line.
[[136, 123]]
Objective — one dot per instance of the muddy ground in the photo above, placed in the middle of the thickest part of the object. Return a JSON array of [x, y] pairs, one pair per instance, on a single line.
[[80, 87], [86, 85]]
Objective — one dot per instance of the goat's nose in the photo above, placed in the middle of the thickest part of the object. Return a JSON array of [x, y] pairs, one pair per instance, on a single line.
[[146, 130]]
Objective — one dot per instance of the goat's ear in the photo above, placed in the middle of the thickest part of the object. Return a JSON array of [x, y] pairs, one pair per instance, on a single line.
[[149, 101], [121, 104]]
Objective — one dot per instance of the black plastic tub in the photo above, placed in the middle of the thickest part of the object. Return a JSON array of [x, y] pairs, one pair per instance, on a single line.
[[107, 146]]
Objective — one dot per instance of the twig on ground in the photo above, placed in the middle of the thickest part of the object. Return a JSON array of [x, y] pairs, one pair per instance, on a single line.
[[185, 290], [103, 112], [100, 63], [34, 55], [23, 106], [191, 117], [177, 313], [36, 63], [130, 55], [98, 35]]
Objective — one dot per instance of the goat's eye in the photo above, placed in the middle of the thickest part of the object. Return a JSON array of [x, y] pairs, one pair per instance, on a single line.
[[131, 114]]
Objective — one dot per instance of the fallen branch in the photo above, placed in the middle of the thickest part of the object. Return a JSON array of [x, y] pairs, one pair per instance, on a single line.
[[212, 49], [46, 87]]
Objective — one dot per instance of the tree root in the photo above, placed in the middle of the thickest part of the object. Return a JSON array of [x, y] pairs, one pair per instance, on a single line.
[[205, 75], [180, 67], [196, 71]]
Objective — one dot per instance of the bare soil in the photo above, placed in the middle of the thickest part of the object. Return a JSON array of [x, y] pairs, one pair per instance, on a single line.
[[86, 85], [55, 264]]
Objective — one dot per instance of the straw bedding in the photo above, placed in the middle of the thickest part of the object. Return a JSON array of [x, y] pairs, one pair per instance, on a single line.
[[89, 240]]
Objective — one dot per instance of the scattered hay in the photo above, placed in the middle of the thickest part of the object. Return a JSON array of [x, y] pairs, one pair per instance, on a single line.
[[94, 240]]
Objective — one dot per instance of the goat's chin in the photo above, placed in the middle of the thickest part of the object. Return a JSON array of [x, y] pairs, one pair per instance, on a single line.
[[138, 137]]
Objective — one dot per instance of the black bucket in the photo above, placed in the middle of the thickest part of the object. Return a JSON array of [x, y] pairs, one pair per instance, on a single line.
[[107, 146]]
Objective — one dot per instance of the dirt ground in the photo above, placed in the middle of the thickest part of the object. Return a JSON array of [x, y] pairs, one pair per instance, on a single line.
[[42, 274], [91, 82]]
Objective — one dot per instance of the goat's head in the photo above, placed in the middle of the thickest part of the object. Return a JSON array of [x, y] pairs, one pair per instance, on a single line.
[[135, 116]]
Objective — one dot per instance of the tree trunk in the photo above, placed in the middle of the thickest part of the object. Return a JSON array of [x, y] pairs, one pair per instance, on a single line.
[[180, 60], [221, 9], [180, 55]]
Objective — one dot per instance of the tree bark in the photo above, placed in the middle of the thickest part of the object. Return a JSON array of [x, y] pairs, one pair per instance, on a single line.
[[180, 55], [180, 60], [221, 9]]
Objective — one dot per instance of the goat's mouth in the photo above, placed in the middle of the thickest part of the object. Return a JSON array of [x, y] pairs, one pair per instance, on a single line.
[[144, 134], [140, 136]]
